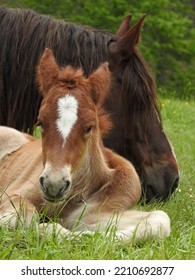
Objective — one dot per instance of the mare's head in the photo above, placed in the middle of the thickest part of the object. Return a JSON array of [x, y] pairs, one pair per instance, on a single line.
[[69, 119], [138, 133]]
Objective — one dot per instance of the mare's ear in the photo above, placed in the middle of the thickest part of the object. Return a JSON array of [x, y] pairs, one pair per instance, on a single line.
[[125, 45], [125, 26], [99, 82], [47, 71]]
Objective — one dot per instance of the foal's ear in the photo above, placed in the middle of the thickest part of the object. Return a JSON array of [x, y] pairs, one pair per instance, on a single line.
[[125, 45], [99, 82], [47, 71]]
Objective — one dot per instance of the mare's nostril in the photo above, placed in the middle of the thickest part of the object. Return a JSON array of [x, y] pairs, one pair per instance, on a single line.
[[176, 184]]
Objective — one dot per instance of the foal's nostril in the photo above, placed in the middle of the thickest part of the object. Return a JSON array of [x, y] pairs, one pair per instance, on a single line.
[[67, 183], [65, 187], [41, 180]]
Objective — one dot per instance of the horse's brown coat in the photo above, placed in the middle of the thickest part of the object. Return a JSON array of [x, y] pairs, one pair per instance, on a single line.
[[103, 186]]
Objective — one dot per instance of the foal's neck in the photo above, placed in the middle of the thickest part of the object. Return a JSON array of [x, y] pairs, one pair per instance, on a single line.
[[94, 170]]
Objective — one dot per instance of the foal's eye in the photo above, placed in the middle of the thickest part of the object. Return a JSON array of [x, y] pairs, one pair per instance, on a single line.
[[40, 124], [88, 129]]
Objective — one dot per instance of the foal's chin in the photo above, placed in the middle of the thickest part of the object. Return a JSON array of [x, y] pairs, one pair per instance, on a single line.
[[54, 200]]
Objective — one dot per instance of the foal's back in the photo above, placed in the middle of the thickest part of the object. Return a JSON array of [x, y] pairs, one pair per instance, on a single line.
[[21, 168]]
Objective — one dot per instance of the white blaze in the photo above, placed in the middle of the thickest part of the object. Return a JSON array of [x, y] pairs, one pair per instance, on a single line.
[[67, 115]]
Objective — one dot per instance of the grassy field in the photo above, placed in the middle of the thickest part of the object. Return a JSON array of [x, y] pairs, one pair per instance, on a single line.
[[179, 124]]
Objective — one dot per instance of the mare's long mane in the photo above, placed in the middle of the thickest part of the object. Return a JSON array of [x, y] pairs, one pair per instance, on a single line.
[[25, 34], [142, 102]]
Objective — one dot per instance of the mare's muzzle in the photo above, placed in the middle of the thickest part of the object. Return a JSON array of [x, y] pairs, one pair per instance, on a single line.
[[159, 184]]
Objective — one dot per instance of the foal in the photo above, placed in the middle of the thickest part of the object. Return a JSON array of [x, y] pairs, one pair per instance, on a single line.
[[72, 176]]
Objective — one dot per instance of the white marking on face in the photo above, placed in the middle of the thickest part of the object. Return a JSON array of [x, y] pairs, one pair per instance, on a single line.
[[67, 115]]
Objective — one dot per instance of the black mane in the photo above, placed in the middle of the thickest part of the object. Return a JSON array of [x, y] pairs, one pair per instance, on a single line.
[[138, 80], [24, 35]]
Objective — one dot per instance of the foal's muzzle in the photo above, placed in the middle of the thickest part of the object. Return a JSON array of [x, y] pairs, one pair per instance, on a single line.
[[54, 191], [55, 184]]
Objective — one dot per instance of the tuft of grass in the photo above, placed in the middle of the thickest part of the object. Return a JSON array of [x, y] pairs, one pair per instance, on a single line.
[[179, 125]]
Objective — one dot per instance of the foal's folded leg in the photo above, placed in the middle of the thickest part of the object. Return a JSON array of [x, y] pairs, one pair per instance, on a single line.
[[128, 225], [140, 225]]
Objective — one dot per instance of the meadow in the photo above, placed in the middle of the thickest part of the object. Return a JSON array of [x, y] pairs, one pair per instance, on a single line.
[[179, 124]]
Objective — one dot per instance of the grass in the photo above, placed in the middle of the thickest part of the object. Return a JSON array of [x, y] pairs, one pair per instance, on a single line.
[[179, 124]]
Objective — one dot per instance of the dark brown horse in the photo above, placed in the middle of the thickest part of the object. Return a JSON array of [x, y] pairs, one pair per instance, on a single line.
[[137, 133]]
